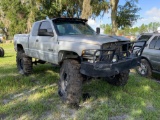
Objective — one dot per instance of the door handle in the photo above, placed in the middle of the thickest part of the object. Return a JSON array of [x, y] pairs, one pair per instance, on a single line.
[[37, 40], [50, 50]]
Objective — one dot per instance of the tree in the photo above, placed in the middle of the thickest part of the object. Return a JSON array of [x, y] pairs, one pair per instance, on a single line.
[[94, 8], [122, 16], [114, 6], [87, 9], [107, 28], [152, 27], [13, 16], [126, 15], [4, 30], [17, 16], [143, 28]]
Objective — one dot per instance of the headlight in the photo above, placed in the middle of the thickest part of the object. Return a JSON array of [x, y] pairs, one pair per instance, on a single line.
[[115, 58], [90, 52]]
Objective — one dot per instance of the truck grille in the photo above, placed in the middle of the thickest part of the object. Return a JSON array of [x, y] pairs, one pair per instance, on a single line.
[[120, 51], [116, 46]]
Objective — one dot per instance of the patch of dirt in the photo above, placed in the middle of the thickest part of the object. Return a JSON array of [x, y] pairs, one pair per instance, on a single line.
[[5, 101], [3, 116], [121, 117], [150, 107]]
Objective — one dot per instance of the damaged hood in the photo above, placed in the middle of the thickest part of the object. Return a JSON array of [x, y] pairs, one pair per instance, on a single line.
[[92, 39]]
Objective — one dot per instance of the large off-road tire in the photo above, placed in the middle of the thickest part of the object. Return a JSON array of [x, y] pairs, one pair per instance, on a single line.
[[144, 69], [24, 63], [120, 79], [70, 83], [1, 52]]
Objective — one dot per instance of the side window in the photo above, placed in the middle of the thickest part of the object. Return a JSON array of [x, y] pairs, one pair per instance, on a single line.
[[61, 29], [157, 46], [153, 42], [145, 37], [46, 26], [35, 29]]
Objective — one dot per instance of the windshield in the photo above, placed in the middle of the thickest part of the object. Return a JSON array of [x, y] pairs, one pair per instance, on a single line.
[[73, 28], [145, 37]]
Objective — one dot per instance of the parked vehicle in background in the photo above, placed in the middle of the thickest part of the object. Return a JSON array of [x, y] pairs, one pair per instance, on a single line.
[[1, 38], [80, 52], [1, 49], [150, 60]]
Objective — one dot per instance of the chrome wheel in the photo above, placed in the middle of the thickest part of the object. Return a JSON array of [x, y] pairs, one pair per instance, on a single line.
[[142, 69]]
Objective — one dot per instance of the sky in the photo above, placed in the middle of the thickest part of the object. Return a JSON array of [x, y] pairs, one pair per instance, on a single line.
[[150, 12]]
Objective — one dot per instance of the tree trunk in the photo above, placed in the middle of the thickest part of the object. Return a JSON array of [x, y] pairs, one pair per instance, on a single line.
[[5, 33], [87, 9], [114, 5]]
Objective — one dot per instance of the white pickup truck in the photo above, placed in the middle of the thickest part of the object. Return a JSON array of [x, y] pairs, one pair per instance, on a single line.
[[78, 50]]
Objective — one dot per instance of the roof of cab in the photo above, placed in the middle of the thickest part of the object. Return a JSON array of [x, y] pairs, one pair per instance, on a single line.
[[150, 33], [65, 19], [69, 19]]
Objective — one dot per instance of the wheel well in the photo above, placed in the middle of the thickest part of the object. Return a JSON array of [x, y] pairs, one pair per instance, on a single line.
[[62, 55], [147, 61], [20, 47]]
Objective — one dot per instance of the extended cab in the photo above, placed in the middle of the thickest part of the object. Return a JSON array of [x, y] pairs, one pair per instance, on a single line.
[[79, 51]]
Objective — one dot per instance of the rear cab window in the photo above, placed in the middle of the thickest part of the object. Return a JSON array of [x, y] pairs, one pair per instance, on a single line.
[[35, 29], [45, 25]]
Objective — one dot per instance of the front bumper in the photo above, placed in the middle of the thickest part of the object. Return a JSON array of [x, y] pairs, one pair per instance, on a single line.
[[128, 56], [102, 69]]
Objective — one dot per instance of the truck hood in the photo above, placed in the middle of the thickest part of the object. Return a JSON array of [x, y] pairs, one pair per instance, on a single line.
[[92, 39]]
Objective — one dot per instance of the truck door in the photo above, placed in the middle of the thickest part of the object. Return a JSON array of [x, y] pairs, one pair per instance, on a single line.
[[32, 43], [47, 44], [157, 57], [154, 52]]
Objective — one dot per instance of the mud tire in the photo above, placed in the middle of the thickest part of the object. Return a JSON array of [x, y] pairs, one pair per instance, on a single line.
[[1, 52], [120, 79], [70, 82], [24, 63]]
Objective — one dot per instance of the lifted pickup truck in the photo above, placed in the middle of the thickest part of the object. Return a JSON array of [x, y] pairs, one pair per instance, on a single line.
[[79, 51]]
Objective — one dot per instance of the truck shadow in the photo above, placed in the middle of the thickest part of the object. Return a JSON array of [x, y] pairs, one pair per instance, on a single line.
[[7, 56], [43, 68]]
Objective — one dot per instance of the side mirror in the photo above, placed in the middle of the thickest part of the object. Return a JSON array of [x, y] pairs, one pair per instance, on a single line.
[[43, 32], [50, 34], [98, 30]]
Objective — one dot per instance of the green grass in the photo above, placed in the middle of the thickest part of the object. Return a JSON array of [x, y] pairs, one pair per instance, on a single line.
[[35, 96]]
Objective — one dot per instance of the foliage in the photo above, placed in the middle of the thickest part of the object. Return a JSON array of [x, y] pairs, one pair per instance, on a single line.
[[127, 14], [17, 16], [13, 16], [114, 6], [152, 27], [144, 28], [123, 15], [107, 28], [99, 7]]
